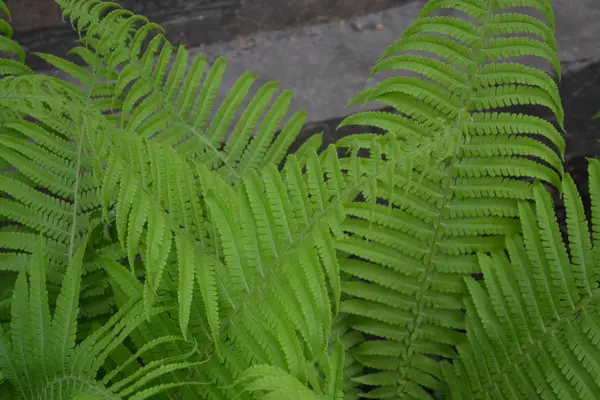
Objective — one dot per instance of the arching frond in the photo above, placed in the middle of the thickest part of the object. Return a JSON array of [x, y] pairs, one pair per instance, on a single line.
[[157, 91], [273, 264], [533, 322], [52, 186], [268, 249], [411, 238], [158, 211]]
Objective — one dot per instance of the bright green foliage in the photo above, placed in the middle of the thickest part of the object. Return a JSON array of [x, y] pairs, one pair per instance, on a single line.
[[159, 95], [265, 284], [533, 324], [47, 150], [178, 261], [416, 239], [252, 266], [40, 357], [71, 203]]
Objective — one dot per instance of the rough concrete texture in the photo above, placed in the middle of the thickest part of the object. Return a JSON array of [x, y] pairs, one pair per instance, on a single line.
[[39, 27], [327, 64]]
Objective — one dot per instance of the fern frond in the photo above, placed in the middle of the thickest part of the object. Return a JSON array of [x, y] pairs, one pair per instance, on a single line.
[[159, 95], [50, 188], [276, 273], [532, 325], [53, 184], [411, 238], [41, 359], [259, 285], [147, 180], [12, 61], [277, 276]]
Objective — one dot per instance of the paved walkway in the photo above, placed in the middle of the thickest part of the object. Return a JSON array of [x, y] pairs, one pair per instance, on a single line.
[[327, 64]]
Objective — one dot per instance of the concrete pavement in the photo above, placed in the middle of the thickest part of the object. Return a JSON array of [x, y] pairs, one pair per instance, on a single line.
[[327, 64]]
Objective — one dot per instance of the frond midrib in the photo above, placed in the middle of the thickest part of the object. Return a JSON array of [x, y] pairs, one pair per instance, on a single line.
[[402, 370], [333, 205], [463, 119], [428, 267]]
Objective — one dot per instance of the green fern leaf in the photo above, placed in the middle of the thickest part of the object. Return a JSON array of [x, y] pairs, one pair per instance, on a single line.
[[531, 326], [13, 58], [167, 109], [58, 366], [272, 379], [411, 237]]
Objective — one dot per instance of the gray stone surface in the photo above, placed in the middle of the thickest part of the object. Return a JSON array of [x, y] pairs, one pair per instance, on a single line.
[[327, 64], [39, 27]]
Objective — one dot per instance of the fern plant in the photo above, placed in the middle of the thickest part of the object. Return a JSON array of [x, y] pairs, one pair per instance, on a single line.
[[39, 356], [533, 323], [191, 266], [411, 243], [194, 241]]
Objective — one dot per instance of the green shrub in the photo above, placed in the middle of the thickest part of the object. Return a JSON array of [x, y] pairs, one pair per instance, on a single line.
[[151, 246]]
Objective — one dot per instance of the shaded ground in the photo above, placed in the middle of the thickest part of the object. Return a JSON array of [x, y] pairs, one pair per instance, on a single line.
[[328, 64]]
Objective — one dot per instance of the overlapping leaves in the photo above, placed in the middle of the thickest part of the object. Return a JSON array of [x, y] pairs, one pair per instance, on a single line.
[[411, 241], [40, 357], [533, 323]]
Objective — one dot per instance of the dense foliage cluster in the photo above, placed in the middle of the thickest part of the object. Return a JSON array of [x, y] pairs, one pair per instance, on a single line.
[[156, 244]]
